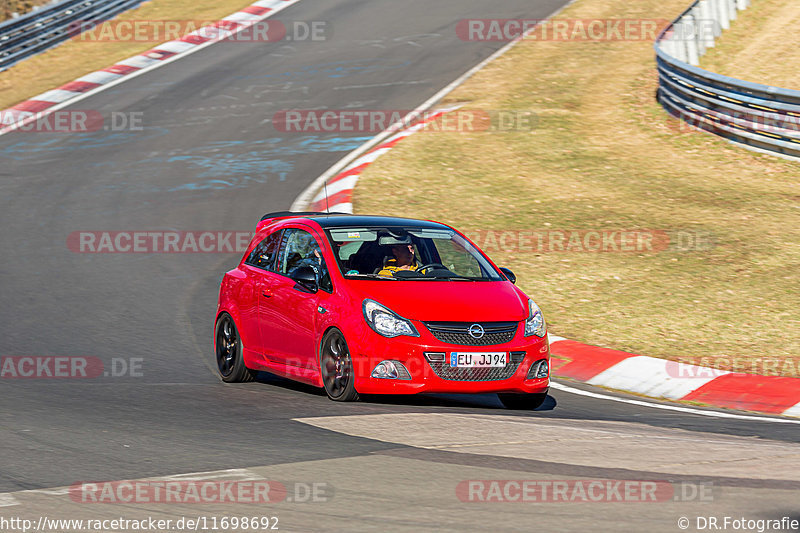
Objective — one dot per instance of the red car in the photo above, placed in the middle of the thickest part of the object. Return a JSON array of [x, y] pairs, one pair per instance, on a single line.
[[379, 305]]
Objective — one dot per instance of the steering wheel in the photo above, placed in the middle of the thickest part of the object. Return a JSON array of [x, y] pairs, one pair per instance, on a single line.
[[430, 265]]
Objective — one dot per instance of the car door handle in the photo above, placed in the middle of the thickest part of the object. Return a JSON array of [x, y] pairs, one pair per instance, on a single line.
[[266, 293]]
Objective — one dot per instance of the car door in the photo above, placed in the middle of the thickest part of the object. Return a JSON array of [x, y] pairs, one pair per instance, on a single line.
[[259, 269], [293, 327]]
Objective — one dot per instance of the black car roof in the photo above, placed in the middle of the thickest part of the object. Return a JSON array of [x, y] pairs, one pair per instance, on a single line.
[[344, 220]]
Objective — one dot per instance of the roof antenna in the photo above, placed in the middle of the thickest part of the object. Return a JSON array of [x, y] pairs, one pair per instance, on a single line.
[[327, 207]]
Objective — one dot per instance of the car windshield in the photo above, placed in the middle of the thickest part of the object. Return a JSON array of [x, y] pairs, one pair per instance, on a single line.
[[408, 254]]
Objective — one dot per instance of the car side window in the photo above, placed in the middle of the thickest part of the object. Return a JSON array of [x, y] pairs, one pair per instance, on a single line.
[[298, 249], [265, 252]]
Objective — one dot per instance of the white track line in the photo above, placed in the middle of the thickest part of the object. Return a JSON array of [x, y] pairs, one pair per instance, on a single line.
[[700, 412]]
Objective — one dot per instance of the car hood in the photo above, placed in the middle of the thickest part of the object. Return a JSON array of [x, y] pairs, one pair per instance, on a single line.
[[448, 301]]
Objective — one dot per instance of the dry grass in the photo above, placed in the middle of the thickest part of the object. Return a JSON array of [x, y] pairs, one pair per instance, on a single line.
[[762, 45], [20, 7], [604, 155], [75, 58]]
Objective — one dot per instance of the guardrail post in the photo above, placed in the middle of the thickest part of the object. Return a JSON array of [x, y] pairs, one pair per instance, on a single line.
[[722, 14], [670, 44], [664, 45], [708, 28], [689, 39], [714, 8], [698, 30], [732, 12], [679, 41]]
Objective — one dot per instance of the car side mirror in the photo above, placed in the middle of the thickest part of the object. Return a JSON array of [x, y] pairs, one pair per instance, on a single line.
[[306, 277], [510, 275]]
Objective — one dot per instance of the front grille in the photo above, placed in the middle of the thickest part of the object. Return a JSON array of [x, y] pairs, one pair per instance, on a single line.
[[458, 332], [445, 371]]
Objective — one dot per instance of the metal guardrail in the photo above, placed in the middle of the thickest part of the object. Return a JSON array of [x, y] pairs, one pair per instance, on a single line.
[[34, 32], [759, 116]]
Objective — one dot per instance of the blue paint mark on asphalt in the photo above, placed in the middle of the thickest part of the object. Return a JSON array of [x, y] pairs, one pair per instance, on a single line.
[[264, 159], [237, 173], [230, 164], [57, 142], [214, 165]]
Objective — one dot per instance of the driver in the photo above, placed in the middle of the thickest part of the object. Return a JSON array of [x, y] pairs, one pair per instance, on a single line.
[[404, 258]]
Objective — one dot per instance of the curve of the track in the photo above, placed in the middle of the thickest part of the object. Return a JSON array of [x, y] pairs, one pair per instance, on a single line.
[[209, 159]]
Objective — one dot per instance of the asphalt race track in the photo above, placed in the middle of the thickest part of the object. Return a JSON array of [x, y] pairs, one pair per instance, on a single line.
[[209, 158]]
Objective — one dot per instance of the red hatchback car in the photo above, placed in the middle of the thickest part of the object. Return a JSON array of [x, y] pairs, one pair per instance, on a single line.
[[379, 305]]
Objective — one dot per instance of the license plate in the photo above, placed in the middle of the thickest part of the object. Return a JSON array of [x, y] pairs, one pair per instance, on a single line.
[[478, 359]]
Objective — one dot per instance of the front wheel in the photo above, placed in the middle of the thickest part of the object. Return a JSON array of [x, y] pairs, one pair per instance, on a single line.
[[228, 348], [336, 368], [522, 402]]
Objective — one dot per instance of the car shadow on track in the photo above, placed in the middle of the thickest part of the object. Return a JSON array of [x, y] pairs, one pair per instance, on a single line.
[[277, 381], [482, 401]]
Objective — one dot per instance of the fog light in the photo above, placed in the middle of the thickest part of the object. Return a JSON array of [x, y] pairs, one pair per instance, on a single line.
[[539, 370], [390, 370]]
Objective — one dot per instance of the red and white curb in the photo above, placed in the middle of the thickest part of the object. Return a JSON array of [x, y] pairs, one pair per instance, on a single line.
[[23, 113], [337, 192], [649, 376], [661, 378]]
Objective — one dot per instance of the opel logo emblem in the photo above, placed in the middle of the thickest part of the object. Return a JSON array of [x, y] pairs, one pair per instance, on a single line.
[[476, 331]]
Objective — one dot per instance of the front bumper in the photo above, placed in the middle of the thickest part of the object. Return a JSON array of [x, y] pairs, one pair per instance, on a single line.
[[410, 351]]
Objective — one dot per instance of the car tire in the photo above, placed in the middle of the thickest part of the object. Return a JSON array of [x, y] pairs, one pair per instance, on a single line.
[[336, 367], [228, 352], [522, 402]]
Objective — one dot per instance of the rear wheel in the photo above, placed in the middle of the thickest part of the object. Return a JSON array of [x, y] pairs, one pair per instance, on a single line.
[[336, 368], [522, 402], [228, 348]]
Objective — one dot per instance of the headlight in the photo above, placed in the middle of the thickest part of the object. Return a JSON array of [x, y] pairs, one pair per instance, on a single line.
[[386, 322], [535, 325]]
